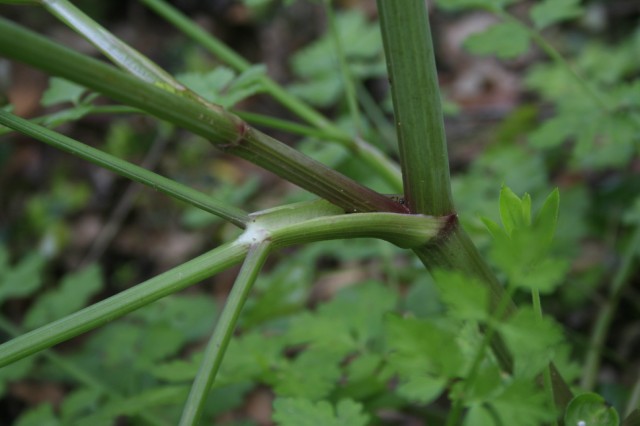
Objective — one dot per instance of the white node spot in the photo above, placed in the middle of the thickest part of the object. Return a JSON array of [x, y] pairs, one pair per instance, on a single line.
[[581, 423]]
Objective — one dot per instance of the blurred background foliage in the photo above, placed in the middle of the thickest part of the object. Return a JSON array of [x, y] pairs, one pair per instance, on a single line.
[[71, 233]]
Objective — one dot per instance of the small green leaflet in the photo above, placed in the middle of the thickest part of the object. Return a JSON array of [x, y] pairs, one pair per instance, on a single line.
[[302, 412], [73, 293], [532, 341], [465, 297], [550, 12], [521, 246], [505, 40], [491, 5], [425, 356], [61, 91], [22, 279], [221, 85]]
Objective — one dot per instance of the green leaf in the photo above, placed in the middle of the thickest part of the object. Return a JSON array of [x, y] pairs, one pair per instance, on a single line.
[[546, 220], [466, 297], [17, 371], [491, 5], [522, 403], [23, 279], [315, 65], [532, 340], [222, 87], [145, 401], [193, 316], [73, 293], [552, 132], [42, 415], [311, 375], [424, 355], [515, 213], [302, 412], [251, 356], [349, 321], [478, 415], [79, 403], [61, 91], [590, 409], [521, 251], [505, 40], [550, 12]]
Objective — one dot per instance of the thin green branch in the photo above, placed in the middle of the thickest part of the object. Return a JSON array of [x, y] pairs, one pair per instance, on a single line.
[[369, 154], [122, 303], [489, 331], [345, 72], [378, 119], [546, 374], [287, 126], [220, 127], [224, 329], [416, 102], [61, 117], [608, 311], [124, 168], [115, 49]]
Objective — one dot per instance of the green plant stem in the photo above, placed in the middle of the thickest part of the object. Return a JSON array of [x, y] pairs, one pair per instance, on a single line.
[[126, 169], [345, 72], [369, 154], [416, 102], [224, 329], [283, 226], [489, 332], [287, 126], [608, 310], [122, 303], [423, 155], [78, 374], [220, 127], [119, 52], [61, 117], [546, 375], [377, 118], [558, 58]]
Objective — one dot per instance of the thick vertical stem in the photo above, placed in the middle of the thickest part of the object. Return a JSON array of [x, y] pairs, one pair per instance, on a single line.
[[416, 104]]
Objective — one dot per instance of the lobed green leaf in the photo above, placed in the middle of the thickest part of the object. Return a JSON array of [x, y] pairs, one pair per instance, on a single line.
[[549, 12], [505, 40]]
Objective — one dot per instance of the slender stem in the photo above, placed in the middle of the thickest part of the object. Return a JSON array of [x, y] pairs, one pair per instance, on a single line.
[[489, 332], [122, 303], [231, 58], [369, 154], [220, 127], [115, 49], [608, 310], [548, 385], [345, 72], [416, 102], [126, 169], [225, 327], [287, 126], [378, 118], [61, 117]]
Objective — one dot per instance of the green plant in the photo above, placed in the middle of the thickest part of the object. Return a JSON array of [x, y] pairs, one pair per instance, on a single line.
[[464, 338]]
